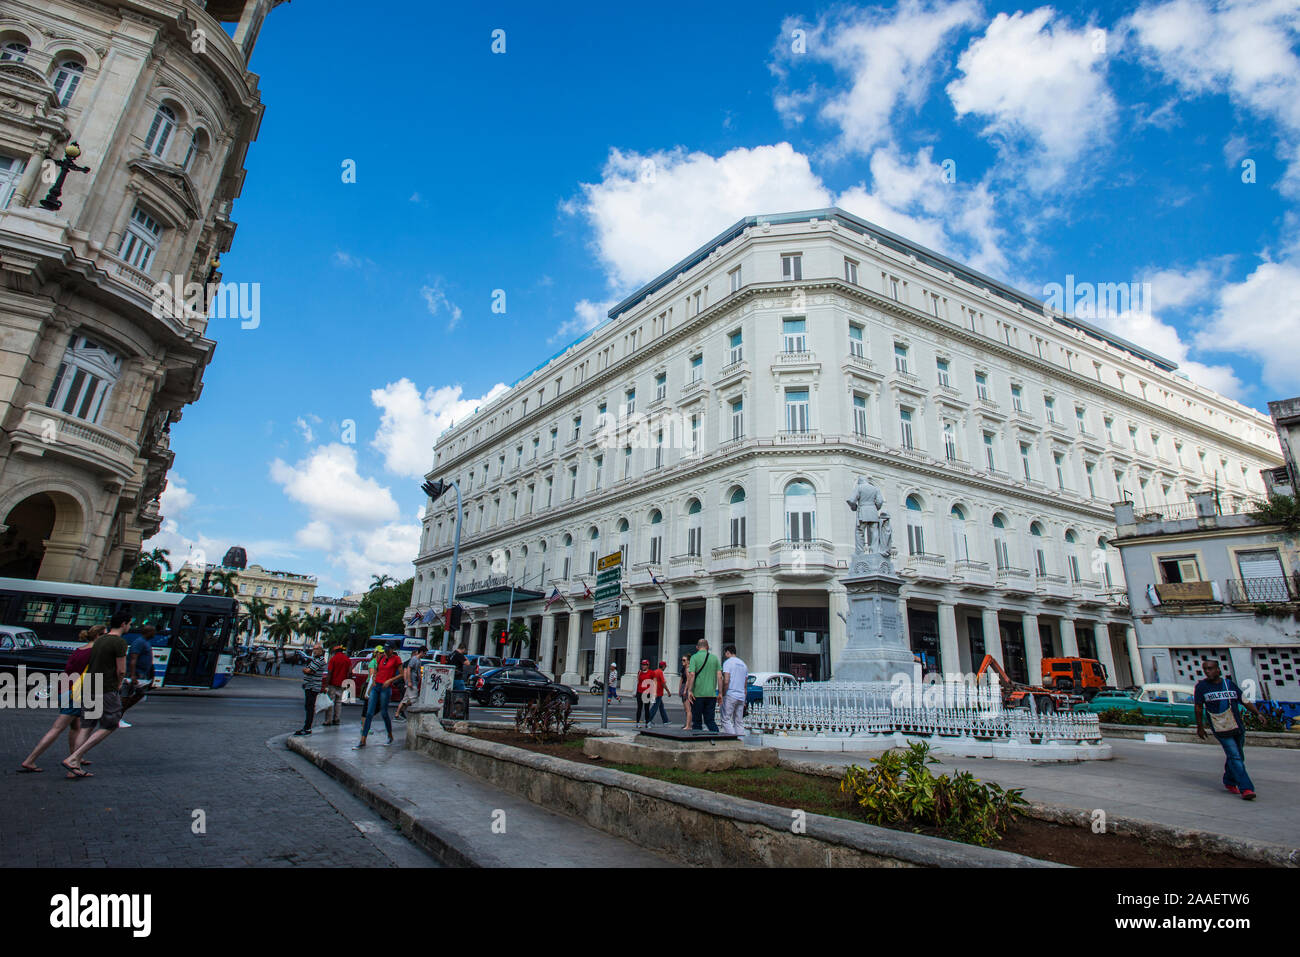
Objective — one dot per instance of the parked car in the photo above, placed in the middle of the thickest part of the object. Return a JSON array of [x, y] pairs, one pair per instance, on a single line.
[[1166, 701], [20, 646], [518, 663], [361, 678], [755, 683], [501, 686], [478, 664]]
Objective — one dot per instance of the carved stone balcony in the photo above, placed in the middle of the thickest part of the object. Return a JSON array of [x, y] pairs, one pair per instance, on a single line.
[[729, 560], [926, 567], [972, 576], [812, 560], [45, 431]]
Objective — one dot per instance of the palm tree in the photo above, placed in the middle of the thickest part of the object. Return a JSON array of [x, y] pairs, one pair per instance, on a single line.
[[381, 581], [148, 570], [255, 617], [313, 623], [518, 635], [223, 582], [284, 624]]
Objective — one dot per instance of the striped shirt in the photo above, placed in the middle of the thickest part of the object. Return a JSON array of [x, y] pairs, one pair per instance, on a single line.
[[313, 674]]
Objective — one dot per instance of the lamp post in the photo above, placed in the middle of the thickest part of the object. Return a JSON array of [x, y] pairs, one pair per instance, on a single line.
[[435, 490], [70, 154], [213, 265]]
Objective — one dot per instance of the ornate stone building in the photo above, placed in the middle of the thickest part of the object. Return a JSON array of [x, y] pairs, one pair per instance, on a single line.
[[712, 429], [159, 99]]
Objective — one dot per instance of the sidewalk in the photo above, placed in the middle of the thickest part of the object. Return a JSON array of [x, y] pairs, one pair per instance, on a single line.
[[1172, 784], [452, 814]]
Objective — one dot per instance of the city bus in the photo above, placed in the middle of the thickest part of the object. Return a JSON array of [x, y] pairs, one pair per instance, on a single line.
[[192, 630]]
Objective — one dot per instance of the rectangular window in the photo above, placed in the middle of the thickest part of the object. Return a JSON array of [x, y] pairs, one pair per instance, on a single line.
[[860, 414], [905, 425], [536, 443], [1049, 407], [1079, 421], [794, 335], [600, 471], [738, 419], [792, 267], [659, 449], [1092, 489], [737, 529], [693, 541], [735, 279], [735, 346], [981, 386], [941, 367], [1058, 462], [796, 410], [661, 385], [140, 241], [988, 451], [697, 368], [915, 539], [856, 345], [555, 434], [1024, 461], [629, 401], [850, 271], [893, 287], [950, 441], [11, 171], [573, 482], [627, 461], [900, 357], [1017, 399]]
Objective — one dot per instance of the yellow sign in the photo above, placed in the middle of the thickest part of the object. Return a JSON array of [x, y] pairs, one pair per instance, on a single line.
[[607, 624], [609, 561]]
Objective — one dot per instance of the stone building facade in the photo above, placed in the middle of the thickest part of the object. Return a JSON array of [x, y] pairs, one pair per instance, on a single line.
[[713, 427], [159, 99]]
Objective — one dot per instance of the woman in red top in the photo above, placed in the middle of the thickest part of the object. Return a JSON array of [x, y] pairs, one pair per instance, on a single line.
[[69, 715], [639, 689], [387, 669]]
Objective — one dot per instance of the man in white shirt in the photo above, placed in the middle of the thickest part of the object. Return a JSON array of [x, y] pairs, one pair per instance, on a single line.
[[735, 675]]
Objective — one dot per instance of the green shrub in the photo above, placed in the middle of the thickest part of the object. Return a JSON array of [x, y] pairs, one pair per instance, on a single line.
[[1273, 718], [899, 791], [1133, 716]]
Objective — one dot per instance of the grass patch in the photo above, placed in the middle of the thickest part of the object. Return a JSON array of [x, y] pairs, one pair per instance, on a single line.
[[776, 786]]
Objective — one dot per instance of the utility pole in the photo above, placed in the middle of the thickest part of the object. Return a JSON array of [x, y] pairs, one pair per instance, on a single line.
[[435, 490]]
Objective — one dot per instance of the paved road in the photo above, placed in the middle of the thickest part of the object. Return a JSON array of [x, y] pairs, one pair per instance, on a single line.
[[264, 806]]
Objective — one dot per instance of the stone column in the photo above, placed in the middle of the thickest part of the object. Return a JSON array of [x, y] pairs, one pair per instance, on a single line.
[[839, 605], [992, 637], [949, 659], [1101, 638], [713, 623], [1134, 655], [628, 681], [1033, 649], [571, 676], [547, 644], [671, 638], [1069, 640], [766, 644]]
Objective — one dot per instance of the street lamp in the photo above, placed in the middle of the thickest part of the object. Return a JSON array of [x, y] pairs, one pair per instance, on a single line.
[[213, 265], [435, 490], [70, 154]]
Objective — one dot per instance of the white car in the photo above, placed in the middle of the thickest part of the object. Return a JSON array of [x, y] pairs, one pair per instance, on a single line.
[[759, 680]]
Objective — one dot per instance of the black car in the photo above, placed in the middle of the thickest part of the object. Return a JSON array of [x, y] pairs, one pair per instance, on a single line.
[[501, 686], [20, 646]]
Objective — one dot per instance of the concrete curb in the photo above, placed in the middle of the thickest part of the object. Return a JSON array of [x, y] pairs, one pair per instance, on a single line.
[[1185, 735], [701, 828], [1246, 849], [440, 841]]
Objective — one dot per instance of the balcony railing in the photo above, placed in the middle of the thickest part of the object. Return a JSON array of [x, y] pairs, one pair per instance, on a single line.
[[966, 565], [794, 357], [1007, 572], [1178, 511], [1260, 590]]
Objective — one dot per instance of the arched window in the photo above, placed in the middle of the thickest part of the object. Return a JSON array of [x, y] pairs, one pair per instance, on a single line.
[[1072, 554], [66, 80], [140, 241], [85, 378], [1001, 554], [198, 146], [1040, 553], [14, 50], [694, 536], [738, 517], [960, 547], [800, 511], [624, 540], [915, 529], [593, 547], [656, 537], [566, 555], [160, 130]]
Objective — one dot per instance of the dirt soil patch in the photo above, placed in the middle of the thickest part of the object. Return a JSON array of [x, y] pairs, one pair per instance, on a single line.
[[780, 787]]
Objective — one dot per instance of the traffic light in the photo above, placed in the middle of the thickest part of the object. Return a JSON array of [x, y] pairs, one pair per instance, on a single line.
[[453, 618], [502, 639], [435, 490]]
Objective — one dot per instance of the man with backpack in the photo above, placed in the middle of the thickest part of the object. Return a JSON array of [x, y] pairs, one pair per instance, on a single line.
[[1219, 696], [702, 687]]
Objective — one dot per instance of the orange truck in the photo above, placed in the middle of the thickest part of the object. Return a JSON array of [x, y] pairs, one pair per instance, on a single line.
[[1085, 676], [1016, 694]]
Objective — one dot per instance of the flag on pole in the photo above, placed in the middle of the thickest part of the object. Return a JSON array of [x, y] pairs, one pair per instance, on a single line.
[[586, 588], [555, 596]]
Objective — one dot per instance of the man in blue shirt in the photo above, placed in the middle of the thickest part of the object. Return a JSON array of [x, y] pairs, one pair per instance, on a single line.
[[1219, 696], [139, 668]]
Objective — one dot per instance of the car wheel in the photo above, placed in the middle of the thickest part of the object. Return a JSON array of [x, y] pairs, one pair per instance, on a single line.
[[498, 698]]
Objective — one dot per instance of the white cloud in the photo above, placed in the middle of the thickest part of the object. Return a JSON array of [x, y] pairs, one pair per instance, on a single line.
[[910, 196], [1041, 88], [176, 498], [1244, 49], [648, 210], [412, 421], [1258, 317], [327, 483], [587, 315], [436, 301], [304, 428], [888, 57]]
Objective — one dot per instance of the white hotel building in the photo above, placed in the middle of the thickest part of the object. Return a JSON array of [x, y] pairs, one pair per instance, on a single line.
[[762, 374]]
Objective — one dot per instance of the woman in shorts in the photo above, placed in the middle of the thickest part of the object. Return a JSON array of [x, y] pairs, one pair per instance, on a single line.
[[70, 712]]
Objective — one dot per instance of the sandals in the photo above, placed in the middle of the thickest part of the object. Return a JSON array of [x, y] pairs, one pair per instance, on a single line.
[[75, 772], [24, 769]]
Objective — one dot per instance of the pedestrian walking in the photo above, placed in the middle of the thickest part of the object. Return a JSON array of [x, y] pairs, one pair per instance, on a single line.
[[313, 681], [659, 689], [336, 681], [684, 692], [702, 687], [735, 676], [139, 669], [105, 670], [458, 661], [644, 692], [387, 670], [1219, 695], [412, 675], [70, 711], [611, 685]]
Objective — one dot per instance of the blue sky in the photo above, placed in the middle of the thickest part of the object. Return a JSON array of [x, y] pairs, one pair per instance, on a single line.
[[608, 141]]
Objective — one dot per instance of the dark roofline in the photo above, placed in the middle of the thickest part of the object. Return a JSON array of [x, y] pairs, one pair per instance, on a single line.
[[893, 241]]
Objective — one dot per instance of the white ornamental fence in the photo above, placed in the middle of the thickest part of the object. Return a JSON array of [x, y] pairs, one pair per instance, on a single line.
[[842, 709]]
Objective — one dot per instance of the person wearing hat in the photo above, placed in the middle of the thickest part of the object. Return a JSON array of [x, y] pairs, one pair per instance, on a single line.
[[643, 685], [337, 676], [386, 668]]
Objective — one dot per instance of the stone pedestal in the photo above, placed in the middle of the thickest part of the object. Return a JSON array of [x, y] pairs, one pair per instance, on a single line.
[[876, 649]]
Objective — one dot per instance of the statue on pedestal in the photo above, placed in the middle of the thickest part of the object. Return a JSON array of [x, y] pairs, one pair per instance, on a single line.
[[873, 534]]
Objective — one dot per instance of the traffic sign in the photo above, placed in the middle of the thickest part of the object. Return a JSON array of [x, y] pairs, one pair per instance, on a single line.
[[609, 590], [607, 624]]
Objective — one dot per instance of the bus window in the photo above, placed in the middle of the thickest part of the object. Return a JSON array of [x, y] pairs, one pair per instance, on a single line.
[[160, 616], [36, 611], [82, 614]]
